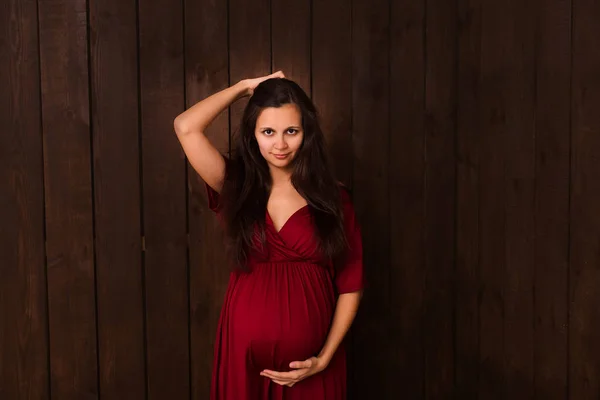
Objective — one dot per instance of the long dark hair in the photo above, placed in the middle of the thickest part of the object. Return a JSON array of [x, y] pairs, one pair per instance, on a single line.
[[248, 181]]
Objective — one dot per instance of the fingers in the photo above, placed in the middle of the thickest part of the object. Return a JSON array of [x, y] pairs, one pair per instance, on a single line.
[[283, 376], [284, 383], [278, 74], [303, 370], [254, 82]]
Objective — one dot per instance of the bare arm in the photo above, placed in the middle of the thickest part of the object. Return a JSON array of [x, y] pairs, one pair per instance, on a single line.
[[192, 123], [344, 314]]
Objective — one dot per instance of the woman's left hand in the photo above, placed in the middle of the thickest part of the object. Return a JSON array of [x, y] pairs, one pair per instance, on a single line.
[[304, 369]]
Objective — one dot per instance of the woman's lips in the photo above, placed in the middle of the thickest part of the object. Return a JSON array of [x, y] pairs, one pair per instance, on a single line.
[[280, 156]]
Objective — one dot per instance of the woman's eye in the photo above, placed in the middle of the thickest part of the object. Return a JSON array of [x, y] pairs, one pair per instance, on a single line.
[[290, 131]]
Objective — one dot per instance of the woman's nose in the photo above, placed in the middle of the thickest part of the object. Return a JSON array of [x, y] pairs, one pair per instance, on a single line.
[[280, 142]]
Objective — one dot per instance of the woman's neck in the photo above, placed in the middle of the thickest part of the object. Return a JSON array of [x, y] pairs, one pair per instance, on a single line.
[[280, 177]]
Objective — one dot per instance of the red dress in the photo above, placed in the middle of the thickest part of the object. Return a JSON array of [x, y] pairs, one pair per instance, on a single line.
[[281, 311]]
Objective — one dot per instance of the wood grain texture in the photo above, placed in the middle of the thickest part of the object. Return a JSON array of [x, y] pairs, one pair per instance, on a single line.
[[552, 118], [331, 76], [370, 139], [207, 72], [164, 199], [494, 94], [23, 308], [69, 205], [249, 48], [467, 131], [407, 196], [114, 94], [519, 189], [290, 40], [468, 184], [584, 274], [331, 73], [440, 197]]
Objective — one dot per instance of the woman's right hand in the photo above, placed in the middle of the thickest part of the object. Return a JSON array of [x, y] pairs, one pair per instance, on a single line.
[[252, 83]]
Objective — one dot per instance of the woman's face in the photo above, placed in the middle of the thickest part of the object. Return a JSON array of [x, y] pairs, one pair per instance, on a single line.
[[279, 134]]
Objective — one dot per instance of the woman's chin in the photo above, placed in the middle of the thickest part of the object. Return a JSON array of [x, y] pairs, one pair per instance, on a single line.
[[280, 163]]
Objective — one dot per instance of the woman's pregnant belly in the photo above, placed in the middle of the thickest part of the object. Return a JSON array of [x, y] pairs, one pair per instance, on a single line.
[[281, 312]]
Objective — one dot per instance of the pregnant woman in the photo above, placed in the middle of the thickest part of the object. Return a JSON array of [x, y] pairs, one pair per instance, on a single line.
[[294, 243]]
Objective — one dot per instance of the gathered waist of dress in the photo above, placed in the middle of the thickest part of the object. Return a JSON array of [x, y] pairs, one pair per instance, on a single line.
[[287, 262]]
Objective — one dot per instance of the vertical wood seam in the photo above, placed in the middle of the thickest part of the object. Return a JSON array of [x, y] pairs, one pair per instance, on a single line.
[[141, 200], [456, 97], [569, 202], [535, 84], [424, 205], [92, 192], [187, 189], [44, 225]]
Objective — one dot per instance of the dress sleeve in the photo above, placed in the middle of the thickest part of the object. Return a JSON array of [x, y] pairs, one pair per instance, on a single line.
[[350, 276], [213, 198]]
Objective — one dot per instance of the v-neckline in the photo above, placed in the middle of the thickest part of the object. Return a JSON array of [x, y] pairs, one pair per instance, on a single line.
[[286, 221]]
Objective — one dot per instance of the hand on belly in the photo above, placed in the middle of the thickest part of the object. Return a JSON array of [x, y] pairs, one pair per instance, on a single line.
[[278, 353]]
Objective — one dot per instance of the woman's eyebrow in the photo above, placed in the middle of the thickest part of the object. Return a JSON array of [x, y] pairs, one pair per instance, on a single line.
[[289, 127]]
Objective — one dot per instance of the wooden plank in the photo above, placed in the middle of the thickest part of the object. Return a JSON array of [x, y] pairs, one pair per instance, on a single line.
[[114, 89], [467, 211], [249, 47], [69, 209], [331, 76], [492, 197], [331, 72], [370, 104], [164, 199], [440, 197], [407, 197], [23, 327], [552, 199], [519, 190], [584, 276], [207, 72], [290, 38]]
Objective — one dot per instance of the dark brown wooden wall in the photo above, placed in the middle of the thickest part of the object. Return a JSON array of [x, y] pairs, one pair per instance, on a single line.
[[469, 131]]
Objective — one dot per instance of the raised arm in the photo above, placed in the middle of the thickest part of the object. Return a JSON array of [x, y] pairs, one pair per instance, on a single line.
[[192, 123]]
